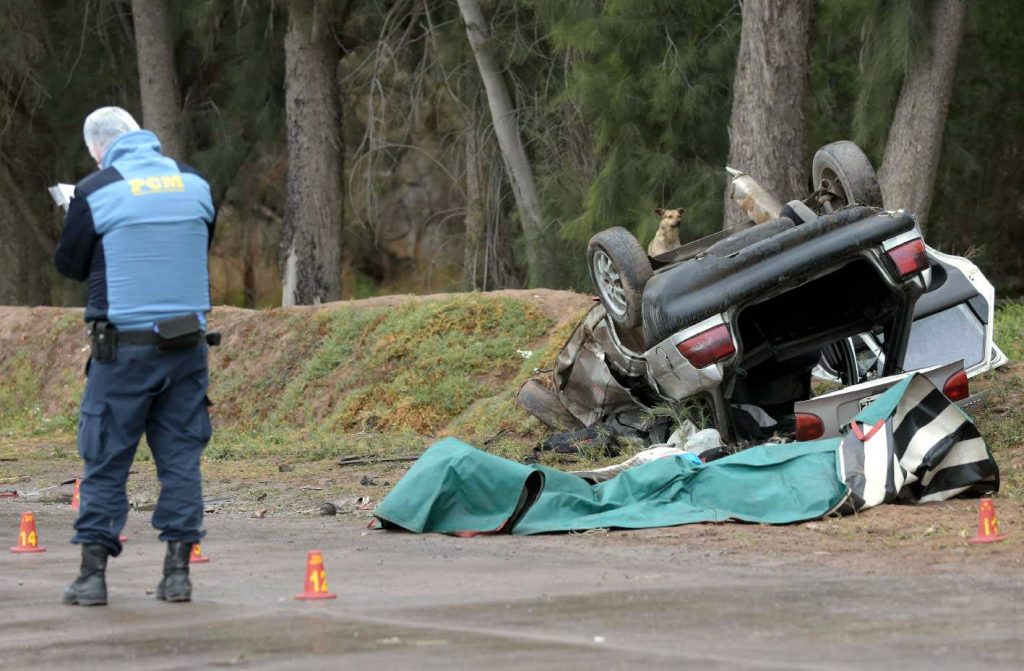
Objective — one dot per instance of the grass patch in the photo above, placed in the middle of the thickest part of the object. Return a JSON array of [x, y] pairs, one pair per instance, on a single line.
[[1009, 330], [1001, 420], [414, 367]]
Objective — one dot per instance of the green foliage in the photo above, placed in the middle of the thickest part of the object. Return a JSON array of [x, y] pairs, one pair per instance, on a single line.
[[230, 60], [979, 191], [1009, 330], [652, 80], [894, 32]]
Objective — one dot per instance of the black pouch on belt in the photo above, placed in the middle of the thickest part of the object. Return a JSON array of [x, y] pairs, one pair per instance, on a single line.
[[102, 342], [179, 333]]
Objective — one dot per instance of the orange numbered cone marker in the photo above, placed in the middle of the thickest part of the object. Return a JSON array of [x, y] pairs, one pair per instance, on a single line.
[[28, 539], [197, 555], [988, 525], [316, 578], [76, 495]]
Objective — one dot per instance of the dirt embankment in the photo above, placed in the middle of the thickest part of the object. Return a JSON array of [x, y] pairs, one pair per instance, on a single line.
[[398, 363]]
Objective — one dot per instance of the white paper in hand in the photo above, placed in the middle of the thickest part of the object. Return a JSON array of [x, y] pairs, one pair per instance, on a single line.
[[62, 194]]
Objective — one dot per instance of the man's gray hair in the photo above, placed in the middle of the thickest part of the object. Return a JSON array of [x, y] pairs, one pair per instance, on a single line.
[[104, 126]]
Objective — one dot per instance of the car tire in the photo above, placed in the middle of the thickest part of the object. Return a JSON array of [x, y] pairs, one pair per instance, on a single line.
[[619, 268], [850, 173]]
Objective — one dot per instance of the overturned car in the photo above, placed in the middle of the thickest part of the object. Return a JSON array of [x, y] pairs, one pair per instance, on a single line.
[[727, 331]]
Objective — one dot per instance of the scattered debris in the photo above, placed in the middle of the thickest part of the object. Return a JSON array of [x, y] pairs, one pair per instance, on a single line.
[[209, 505], [358, 460], [497, 436], [367, 481], [13, 480]]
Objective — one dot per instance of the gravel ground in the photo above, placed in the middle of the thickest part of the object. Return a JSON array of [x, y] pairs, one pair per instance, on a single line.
[[829, 595]]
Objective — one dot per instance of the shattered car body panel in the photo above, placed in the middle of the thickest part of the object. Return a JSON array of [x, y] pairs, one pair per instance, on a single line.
[[584, 380], [670, 373]]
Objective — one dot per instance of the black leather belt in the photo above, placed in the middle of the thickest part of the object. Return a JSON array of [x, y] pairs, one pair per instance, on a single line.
[[150, 338]]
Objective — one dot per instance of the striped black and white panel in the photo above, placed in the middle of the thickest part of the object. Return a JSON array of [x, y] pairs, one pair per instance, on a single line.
[[927, 450]]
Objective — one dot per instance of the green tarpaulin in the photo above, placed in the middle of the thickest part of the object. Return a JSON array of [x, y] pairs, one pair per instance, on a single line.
[[455, 488]]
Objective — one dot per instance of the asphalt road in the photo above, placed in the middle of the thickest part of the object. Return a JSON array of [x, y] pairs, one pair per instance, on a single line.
[[590, 601]]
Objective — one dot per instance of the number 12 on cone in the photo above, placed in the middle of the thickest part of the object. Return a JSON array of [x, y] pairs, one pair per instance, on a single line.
[[316, 579]]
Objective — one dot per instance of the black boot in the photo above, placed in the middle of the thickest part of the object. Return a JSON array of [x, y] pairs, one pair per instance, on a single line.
[[90, 587], [176, 585]]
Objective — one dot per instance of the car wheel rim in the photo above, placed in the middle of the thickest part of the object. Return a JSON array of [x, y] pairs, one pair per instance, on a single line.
[[835, 187], [609, 284]]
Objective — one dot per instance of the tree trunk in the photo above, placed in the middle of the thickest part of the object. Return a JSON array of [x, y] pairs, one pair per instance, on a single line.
[[475, 225], [26, 249], [506, 129], [311, 239], [158, 78], [914, 145], [249, 257], [24, 278], [767, 128]]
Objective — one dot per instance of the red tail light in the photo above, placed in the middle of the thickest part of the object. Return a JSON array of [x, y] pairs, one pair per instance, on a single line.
[[957, 387], [909, 258], [707, 347], [808, 426]]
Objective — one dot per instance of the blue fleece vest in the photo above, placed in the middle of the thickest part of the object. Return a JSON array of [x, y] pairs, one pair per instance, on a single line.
[[139, 230]]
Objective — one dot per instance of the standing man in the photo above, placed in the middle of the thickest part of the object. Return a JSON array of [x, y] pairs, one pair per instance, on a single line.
[[139, 231]]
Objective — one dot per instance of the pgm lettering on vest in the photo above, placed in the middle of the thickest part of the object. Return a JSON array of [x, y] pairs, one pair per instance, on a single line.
[[158, 184]]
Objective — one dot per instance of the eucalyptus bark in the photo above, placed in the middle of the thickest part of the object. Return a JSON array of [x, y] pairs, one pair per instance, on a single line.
[[914, 146], [158, 77], [473, 249], [311, 241], [506, 130], [768, 124]]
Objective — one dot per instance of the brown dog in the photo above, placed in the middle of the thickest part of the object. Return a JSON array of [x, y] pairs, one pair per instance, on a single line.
[[667, 237]]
